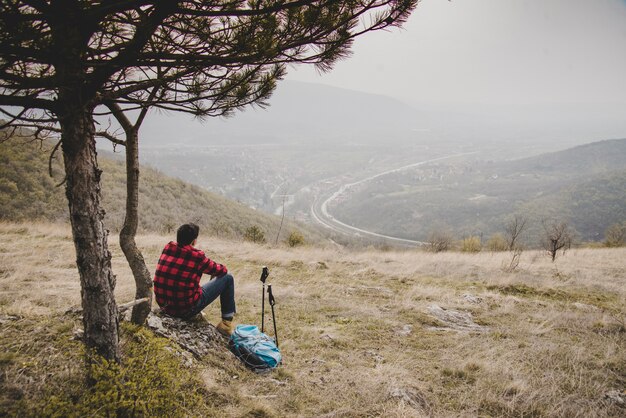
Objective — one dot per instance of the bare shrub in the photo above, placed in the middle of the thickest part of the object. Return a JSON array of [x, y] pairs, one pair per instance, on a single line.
[[169, 226], [439, 240], [516, 255], [513, 230], [557, 236]]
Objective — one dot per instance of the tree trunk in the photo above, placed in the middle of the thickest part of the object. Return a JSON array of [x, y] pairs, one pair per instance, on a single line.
[[100, 317], [143, 279]]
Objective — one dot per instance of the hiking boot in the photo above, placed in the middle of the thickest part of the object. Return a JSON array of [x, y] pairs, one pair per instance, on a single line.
[[226, 328]]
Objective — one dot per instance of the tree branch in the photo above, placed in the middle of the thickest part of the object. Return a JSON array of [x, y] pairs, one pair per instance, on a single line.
[[111, 137], [162, 10], [54, 150], [27, 102]]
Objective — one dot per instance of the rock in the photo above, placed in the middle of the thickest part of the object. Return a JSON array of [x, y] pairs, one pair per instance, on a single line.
[[378, 359], [155, 323], [74, 310], [473, 299], [585, 307], [405, 331], [126, 315], [321, 266], [455, 320], [315, 361], [411, 397], [617, 396], [8, 318], [78, 334], [278, 382], [196, 336]]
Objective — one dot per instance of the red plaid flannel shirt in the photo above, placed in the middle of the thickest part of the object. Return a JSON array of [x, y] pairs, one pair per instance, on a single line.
[[177, 278]]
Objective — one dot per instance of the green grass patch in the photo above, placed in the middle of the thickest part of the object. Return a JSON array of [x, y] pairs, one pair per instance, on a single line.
[[523, 290], [49, 377], [604, 299], [468, 375], [499, 408]]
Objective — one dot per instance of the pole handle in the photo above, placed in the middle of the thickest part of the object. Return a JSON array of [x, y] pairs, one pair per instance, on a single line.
[[264, 273], [270, 295]]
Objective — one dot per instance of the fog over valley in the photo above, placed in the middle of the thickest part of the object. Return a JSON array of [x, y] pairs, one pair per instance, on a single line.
[[313, 140], [421, 121]]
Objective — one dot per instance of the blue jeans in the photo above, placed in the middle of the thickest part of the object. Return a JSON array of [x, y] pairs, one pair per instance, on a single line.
[[224, 287]]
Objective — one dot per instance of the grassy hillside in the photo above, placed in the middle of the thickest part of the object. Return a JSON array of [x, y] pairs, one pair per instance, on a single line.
[[27, 192], [392, 334], [26, 189], [584, 160], [590, 205], [585, 186]]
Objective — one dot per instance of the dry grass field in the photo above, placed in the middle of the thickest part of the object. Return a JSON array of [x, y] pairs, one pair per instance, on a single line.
[[367, 333]]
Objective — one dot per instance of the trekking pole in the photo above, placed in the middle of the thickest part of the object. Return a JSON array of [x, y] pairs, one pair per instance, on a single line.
[[272, 303], [264, 275]]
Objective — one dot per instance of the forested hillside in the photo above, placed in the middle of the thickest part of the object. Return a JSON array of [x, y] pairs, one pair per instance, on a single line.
[[28, 192], [590, 206], [584, 186], [594, 158]]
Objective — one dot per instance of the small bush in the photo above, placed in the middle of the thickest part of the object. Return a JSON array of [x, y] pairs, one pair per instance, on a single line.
[[254, 234], [169, 227], [148, 382], [471, 245], [615, 235], [497, 243], [295, 239]]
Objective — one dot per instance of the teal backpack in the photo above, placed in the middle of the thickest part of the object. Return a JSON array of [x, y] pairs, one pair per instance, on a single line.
[[257, 350]]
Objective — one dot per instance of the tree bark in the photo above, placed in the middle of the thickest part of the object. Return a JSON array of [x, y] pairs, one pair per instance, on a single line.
[[100, 316], [143, 279]]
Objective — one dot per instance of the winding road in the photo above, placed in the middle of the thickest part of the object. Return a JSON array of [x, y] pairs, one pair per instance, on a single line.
[[319, 208]]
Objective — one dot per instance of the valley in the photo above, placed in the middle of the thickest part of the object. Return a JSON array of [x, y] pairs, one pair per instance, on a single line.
[[305, 180], [295, 156], [320, 212], [397, 194]]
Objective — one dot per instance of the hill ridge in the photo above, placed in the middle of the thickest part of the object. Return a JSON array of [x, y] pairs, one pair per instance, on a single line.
[[27, 192], [583, 185]]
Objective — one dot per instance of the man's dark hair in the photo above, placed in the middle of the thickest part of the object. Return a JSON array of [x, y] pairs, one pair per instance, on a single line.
[[187, 233]]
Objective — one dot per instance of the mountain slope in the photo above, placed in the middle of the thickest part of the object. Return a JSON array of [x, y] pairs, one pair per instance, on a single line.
[[299, 112], [585, 186], [27, 192], [583, 160], [590, 205]]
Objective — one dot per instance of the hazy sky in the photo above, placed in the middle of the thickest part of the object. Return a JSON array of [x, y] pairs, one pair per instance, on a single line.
[[493, 51]]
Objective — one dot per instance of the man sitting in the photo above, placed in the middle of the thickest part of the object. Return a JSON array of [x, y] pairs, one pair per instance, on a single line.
[[177, 280]]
